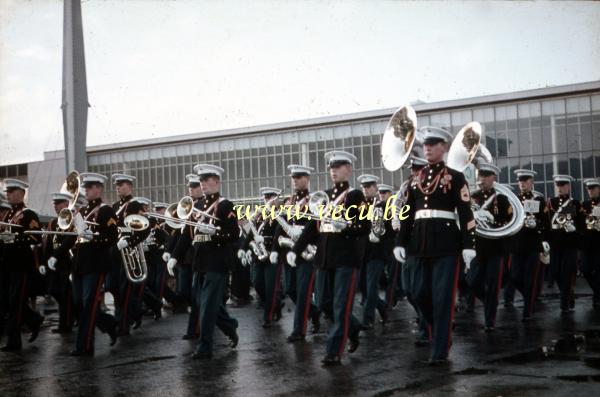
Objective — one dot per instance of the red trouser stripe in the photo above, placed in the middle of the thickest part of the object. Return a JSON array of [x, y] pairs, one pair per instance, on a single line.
[[92, 324], [348, 311], [453, 302], [308, 301]]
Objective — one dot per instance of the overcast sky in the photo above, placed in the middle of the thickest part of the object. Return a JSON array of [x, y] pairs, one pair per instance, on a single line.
[[161, 68]]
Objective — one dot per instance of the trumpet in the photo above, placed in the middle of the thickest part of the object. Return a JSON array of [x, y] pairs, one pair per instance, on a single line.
[[133, 258]]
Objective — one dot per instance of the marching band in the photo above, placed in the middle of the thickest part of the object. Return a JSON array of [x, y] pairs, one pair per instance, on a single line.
[[148, 254]]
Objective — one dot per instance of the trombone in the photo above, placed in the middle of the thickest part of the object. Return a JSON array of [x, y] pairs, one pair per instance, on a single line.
[[183, 210]]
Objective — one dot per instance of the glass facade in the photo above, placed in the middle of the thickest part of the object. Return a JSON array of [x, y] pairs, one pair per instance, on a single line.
[[560, 134]]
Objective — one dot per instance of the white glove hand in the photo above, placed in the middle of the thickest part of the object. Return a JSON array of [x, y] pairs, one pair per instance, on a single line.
[[291, 258], [570, 228], [206, 228], [396, 223], [545, 258], [71, 277], [274, 257], [171, 266], [248, 257], [483, 217], [86, 234], [259, 239], [400, 254], [166, 256], [468, 255], [52, 263], [122, 243], [373, 238], [42, 270], [546, 247], [241, 254], [295, 233]]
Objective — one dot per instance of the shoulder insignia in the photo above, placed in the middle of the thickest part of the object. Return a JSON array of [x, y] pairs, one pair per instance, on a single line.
[[464, 193], [231, 215], [471, 224], [111, 221], [33, 224]]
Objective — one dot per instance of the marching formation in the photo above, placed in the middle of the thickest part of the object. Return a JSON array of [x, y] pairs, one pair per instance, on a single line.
[[447, 244]]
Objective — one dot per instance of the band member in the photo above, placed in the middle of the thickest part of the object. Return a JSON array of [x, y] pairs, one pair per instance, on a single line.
[[185, 250], [18, 264], [430, 241], [116, 281], [528, 245], [566, 221], [393, 290], [57, 252], [5, 209], [590, 249], [375, 254], [341, 245], [268, 269], [304, 272], [91, 261], [485, 274], [215, 244]]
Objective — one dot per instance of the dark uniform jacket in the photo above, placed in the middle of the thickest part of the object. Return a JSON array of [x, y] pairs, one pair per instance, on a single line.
[[441, 188], [94, 256], [18, 255], [591, 238], [299, 199], [559, 238], [219, 253], [136, 237], [383, 249], [529, 239], [154, 245], [502, 212], [345, 248], [59, 247]]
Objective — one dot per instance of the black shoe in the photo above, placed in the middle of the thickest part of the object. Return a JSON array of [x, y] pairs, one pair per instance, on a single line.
[[189, 336], [331, 360], [366, 327], [202, 355], [9, 348], [233, 340], [113, 335], [384, 316], [353, 343], [137, 323], [489, 330], [157, 314], [295, 338], [316, 322], [79, 353], [436, 362], [267, 324], [180, 308], [422, 342], [35, 330]]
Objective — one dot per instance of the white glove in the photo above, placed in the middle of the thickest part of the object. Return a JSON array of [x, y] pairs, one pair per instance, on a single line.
[[291, 258], [468, 255], [373, 238], [52, 263], [241, 254], [274, 257], [295, 233], [545, 258], [546, 247], [166, 256], [248, 257], [42, 270], [171, 266], [259, 239], [400, 254], [86, 234], [483, 216], [71, 277], [122, 243], [570, 228], [206, 228], [396, 223]]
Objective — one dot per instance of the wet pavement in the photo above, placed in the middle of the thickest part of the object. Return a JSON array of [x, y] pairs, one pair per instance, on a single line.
[[554, 355]]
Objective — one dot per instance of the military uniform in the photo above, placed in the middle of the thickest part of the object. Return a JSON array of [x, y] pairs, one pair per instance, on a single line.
[[340, 253], [433, 243], [18, 264], [564, 242], [116, 283], [590, 247]]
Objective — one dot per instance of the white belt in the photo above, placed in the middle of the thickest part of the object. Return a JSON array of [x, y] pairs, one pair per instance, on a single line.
[[428, 214], [202, 238], [328, 228]]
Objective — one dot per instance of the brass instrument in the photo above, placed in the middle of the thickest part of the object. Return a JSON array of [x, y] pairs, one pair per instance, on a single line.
[[133, 258], [317, 204], [377, 223], [466, 148], [561, 220], [184, 210], [592, 223], [294, 232], [258, 247], [399, 138]]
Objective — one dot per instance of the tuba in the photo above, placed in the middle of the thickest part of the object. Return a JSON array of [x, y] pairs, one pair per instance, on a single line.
[[399, 138], [466, 148], [133, 258]]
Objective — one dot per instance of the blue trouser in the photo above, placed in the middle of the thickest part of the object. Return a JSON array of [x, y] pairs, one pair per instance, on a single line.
[[290, 283], [270, 276], [185, 275], [193, 327], [213, 311], [395, 286], [87, 292], [305, 282], [112, 284], [18, 310], [130, 302], [485, 278], [323, 292], [408, 285], [342, 282], [61, 290], [524, 270], [374, 269], [563, 265], [507, 281], [590, 267], [259, 281], [434, 287]]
